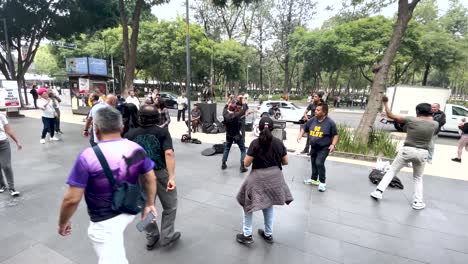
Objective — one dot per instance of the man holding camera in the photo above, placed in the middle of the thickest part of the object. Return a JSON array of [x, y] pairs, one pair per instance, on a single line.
[[232, 121]]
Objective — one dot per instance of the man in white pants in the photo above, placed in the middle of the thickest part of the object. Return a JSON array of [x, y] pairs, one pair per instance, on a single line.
[[127, 160], [420, 130]]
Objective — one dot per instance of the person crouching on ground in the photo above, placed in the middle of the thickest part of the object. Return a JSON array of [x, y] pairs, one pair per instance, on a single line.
[[265, 186], [323, 137], [420, 131]]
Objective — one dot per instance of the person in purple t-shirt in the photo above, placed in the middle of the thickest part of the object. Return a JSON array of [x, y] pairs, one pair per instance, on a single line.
[[127, 161]]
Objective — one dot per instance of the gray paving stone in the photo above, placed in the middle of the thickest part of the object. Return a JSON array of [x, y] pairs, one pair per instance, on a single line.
[[342, 225], [38, 254]]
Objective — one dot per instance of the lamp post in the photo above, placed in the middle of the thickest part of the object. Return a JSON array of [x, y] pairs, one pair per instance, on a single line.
[[187, 82], [248, 85]]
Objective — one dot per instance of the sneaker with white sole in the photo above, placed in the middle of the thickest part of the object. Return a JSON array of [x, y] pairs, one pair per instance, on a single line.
[[376, 194], [54, 139], [418, 205], [311, 182], [42, 141], [14, 192], [2, 189], [322, 187]]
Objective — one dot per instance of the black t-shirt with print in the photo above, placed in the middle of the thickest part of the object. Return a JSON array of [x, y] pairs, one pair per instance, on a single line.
[[267, 157], [155, 141], [321, 133]]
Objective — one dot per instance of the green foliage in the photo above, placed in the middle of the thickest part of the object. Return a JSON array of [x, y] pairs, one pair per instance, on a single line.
[[380, 143], [45, 64]]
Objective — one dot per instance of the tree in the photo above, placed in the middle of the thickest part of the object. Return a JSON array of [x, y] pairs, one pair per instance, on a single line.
[[130, 43], [289, 14], [44, 62], [41, 19], [405, 12]]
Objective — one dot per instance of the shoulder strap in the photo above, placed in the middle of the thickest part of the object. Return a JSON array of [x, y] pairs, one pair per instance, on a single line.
[[104, 164]]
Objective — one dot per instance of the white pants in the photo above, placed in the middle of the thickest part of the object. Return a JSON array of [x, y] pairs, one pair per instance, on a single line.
[[418, 159], [108, 239]]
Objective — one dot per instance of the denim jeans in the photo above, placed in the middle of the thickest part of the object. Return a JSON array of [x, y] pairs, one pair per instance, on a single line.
[[228, 145], [418, 158], [317, 160], [49, 126], [267, 218]]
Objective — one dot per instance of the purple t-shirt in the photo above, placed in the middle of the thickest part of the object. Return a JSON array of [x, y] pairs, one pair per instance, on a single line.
[[127, 161]]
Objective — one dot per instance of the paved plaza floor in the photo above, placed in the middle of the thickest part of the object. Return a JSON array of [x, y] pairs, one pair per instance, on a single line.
[[342, 225]]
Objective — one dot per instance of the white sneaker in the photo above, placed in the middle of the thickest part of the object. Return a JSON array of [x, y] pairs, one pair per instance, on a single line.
[[418, 205], [54, 139], [322, 187], [376, 195], [42, 141]]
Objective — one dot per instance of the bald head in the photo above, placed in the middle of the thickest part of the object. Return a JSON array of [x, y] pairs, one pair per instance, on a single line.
[[111, 100], [435, 107]]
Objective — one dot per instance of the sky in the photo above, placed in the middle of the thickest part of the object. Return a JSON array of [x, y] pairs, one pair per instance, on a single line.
[[176, 7]]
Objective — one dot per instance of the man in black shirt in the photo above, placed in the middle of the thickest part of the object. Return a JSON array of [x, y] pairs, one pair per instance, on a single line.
[[35, 95], [232, 122], [323, 136], [157, 143], [316, 100], [463, 142], [440, 118]]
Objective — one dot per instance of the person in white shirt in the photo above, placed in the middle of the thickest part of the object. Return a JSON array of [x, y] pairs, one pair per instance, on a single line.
[[132, 99], [5, 155], [181, 107], [48, 115]]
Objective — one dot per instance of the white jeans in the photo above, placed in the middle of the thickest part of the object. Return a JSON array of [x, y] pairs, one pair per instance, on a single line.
[[108, 239], [418, 159]]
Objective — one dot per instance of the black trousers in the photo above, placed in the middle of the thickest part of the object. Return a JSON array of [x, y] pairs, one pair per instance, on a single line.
[[317, 160], [57, 120], [49, 126], [180, 113]]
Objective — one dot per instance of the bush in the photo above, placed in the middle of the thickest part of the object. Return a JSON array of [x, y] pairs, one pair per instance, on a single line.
[[380, 143]]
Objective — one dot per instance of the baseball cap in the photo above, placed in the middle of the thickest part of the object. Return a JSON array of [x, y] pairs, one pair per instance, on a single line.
[[40, 91]]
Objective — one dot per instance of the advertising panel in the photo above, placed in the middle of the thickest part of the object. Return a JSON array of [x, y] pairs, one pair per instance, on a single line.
[[9, 97], [76, 66], [97, 67], [83, 85]]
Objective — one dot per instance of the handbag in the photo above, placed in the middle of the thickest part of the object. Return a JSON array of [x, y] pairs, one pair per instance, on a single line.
[[126, 197]]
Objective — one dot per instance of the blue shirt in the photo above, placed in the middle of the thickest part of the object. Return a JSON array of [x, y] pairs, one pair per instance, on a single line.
[[321, 133]]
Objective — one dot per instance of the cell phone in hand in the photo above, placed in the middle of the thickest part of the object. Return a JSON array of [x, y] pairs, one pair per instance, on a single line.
[[145, 222]]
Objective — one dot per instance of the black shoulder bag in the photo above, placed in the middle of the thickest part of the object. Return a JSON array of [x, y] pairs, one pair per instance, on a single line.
[[126, 197]]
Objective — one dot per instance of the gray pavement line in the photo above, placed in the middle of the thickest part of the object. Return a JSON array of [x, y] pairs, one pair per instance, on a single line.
[[385, 252]]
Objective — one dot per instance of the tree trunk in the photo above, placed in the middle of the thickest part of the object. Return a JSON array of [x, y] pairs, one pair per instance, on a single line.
[[427, 69], [405, 12], [286, 73], [130, 46]]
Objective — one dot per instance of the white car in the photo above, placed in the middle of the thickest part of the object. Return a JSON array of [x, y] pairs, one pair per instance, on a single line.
[[454, 115], [290, 112]]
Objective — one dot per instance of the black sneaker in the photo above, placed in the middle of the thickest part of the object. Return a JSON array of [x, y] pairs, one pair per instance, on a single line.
[[304, 152], [223, 166], [14, 192], [456, 159], [151, 241], [243, 169], [173, 239], [268, 239], [2, 189], [246, 240]]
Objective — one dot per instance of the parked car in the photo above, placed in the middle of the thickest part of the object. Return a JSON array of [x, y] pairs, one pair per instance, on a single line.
[[170, 99], [454, 115], [290, 112]]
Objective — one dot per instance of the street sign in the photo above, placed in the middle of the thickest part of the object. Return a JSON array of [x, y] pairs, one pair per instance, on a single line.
[[9, 97], [62, 44]]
